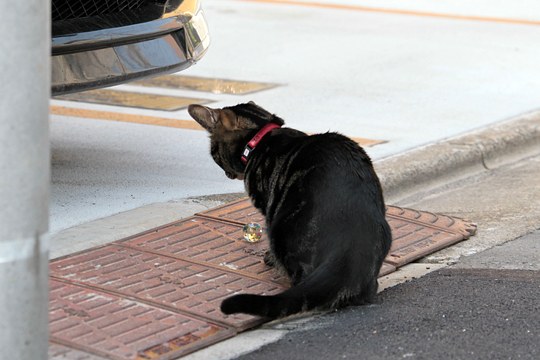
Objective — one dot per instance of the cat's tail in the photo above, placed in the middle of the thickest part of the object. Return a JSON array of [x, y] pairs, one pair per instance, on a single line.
[[319, 289]]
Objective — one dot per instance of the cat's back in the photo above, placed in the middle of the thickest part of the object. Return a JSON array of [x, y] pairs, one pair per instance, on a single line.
[[333, 151], [335, 168], [326, 169]]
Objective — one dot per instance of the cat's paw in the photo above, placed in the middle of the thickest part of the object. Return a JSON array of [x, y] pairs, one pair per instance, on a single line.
[[269, 258]]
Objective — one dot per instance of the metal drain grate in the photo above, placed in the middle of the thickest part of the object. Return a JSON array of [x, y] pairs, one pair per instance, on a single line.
[[156, 295]]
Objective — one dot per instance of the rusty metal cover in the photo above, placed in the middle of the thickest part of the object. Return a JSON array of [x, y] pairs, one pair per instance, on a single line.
[[416, 234], [386, 269], [179, 285], [240, 212], [211, 241], [432, 220], [156, 295], [84, 320]]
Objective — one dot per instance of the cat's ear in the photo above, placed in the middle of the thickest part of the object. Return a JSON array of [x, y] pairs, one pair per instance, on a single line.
[[205, 116], [208, 117], [229, 120]]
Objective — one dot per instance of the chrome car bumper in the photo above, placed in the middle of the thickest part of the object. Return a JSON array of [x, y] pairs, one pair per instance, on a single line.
[[114, 55]]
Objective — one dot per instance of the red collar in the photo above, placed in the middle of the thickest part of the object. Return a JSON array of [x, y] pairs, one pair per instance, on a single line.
[[256, 139]]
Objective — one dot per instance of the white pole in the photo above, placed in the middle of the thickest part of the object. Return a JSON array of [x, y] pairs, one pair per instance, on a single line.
[[24, 178]]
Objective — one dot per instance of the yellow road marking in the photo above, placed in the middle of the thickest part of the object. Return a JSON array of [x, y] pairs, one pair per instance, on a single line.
[[213, 85], [132, 99], [155, 120], [367, 142], [131, 118], [401, 12]]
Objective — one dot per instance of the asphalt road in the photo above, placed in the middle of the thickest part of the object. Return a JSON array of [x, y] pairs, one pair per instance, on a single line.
[[478, 312]]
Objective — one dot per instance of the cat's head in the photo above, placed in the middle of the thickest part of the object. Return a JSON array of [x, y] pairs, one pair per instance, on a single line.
[[231, 128]]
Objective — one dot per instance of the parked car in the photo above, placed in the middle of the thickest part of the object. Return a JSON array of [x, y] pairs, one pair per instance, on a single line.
[[97, 43]]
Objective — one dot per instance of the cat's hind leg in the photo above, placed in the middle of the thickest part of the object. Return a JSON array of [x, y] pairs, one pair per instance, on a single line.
[[269, 258], [370, 292], [367, 296]]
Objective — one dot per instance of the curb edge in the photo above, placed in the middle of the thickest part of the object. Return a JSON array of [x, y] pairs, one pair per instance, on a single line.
[[454, 158]]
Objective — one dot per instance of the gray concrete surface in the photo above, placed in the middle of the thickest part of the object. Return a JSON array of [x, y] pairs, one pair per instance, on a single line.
[[102, 168], [520, 254], [408, 79], [504, 202], [443, 162], [403, 78]]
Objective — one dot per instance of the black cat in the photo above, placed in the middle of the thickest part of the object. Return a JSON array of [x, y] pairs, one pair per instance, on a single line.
[[323, 203]]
